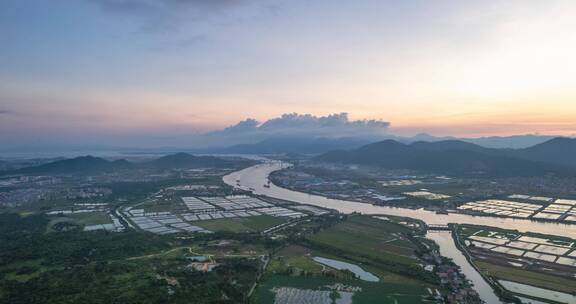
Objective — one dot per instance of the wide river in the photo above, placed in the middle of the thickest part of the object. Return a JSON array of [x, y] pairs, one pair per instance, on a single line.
[[254, 178]]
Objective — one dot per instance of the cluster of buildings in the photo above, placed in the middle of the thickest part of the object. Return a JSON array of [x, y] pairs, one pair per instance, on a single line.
[[193, 187], [427, 195], [400, 182], [90, 192], [29, 181], [459, 288], [310, 183], [201, 263], [342, 188], [24, 196], [197, 189], [81, 208], [33, 192]]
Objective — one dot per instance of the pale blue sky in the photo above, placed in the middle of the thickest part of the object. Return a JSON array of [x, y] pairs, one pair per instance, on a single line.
[[108, 71]]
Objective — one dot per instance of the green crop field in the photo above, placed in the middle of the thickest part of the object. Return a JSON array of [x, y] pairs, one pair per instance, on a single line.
[[243, 224], [528, 277], [370, 237], [91, 218], [381, 247], [262, 222], [300, 260]]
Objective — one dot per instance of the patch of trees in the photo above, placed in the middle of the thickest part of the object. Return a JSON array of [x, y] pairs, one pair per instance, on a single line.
[[80, 267], [24, 239]]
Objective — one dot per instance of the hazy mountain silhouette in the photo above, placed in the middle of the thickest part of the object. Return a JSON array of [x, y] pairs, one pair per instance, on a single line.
[[560, 150], [82, 164], [448, 157], [186, 161], [301, 145], [95, 165]]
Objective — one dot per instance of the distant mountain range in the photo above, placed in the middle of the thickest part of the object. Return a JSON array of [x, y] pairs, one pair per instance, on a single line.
[[512, 142], [298, 145], [83, 164], [555, 156], [305, 145], [559, 150], [302, 144], [94, 165], [188, 161]]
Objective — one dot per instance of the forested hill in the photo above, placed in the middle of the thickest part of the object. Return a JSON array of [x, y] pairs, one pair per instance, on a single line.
[[96, 165], [448, 157]]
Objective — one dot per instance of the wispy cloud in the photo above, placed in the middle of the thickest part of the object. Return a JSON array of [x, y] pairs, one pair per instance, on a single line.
[[160, 15], [159, 7]]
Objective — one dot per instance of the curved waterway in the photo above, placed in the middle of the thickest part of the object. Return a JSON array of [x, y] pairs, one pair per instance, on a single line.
[[256, 177], [449, 249]]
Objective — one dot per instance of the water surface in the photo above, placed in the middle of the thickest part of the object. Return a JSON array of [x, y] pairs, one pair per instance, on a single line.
[[359, 272], [538, 292], [254, 178]]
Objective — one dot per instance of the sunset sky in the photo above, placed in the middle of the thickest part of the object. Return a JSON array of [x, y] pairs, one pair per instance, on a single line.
[[107, 70]]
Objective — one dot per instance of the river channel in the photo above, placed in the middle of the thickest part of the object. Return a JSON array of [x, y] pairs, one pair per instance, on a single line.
[[255, 179]]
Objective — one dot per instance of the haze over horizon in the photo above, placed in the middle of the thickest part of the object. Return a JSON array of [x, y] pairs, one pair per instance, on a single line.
[[156, 72]]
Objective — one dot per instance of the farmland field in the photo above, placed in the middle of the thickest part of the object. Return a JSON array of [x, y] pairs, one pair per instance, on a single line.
[[528, 277], [366, 292], [525, 258], [245, 224], [379, 246], [91, 218], [370, 236], [82, 219]]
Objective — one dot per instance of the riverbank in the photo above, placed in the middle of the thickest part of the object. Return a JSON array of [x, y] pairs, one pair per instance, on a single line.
[[499, 290], [254, 179], [503, 255]]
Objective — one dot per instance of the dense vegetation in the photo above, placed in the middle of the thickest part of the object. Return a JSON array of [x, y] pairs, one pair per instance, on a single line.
[[100, 267], [40, 266], [134, 282]]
